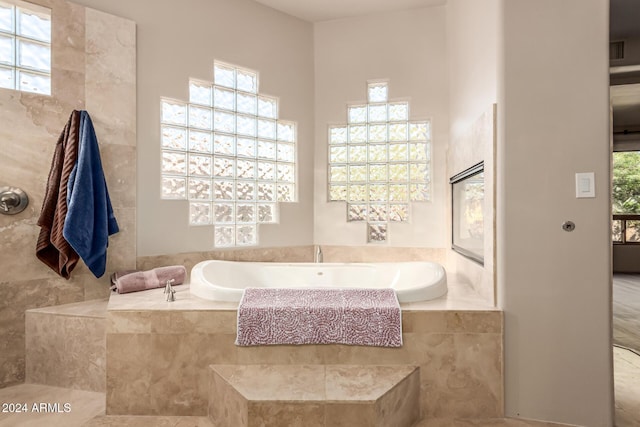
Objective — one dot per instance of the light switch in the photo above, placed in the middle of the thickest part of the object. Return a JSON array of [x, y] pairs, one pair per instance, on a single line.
[[585, 185]]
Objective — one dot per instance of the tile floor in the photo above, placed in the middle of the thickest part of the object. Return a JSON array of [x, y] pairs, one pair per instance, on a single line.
[[141, 421], [626, 309], [81, 406], [87, 408], [626, 369]]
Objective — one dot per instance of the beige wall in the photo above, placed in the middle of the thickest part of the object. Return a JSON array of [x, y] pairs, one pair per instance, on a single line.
[[472, 40], [472, 45], [93, 58], [408, 48], [178, 40], [554, 286]]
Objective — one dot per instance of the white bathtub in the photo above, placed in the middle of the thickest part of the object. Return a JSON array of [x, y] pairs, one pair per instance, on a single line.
[[225, 280]]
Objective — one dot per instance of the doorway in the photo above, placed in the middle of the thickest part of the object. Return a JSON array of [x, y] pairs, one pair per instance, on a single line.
[[625, 101]]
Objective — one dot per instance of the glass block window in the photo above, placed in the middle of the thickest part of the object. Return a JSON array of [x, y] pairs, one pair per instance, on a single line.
[[227, 152], [25, 47], [379, 162]]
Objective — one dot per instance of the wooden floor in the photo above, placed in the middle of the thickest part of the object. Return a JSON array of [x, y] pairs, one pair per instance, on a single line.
[[626, 311], [626, 374], [626, 333]]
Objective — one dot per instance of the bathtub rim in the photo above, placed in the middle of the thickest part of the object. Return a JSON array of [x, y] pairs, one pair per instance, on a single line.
[[204, 289]]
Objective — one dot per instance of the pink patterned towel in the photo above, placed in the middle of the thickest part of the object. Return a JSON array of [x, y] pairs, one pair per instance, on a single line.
[[319, 316]]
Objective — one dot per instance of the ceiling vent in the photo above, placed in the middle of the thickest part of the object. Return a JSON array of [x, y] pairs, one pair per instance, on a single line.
[[616, 51]]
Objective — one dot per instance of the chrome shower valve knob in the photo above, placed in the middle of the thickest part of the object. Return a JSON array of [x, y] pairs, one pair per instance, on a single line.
[[12, 200]]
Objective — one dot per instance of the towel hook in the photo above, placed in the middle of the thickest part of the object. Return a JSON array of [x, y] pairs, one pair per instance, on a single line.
[[13, 200]]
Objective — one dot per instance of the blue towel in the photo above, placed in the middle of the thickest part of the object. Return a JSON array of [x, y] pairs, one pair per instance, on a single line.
[[90, 220]]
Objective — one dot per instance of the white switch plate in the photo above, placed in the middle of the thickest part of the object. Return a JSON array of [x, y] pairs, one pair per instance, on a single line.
[[585, 185]]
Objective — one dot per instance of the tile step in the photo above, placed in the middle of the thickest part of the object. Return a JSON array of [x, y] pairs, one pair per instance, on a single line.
[[314, 395], [66, 346], [92, 309]]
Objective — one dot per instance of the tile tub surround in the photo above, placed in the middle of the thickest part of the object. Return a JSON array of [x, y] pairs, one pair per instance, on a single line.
[[158, 353], [374, 253], [277, 254], [299, 254], [314, 395], [496, 422]]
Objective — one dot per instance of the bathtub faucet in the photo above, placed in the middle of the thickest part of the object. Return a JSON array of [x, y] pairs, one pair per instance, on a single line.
[[319, 257], [168, 289]]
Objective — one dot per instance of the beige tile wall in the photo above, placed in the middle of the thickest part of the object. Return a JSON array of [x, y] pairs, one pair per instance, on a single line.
[[300, 254], [157, 360], [278, 254], [473, 146], [93, 59]]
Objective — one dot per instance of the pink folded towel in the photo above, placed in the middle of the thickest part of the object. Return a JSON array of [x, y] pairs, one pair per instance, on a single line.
[[133, 280]]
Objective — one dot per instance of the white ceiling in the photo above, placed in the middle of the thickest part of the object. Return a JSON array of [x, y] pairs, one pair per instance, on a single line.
[[624, 18], [625, 99], [326, 10]]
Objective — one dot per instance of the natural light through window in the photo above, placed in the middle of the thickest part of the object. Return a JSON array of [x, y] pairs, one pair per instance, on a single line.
[[227, 152], [379, 162], [25, 47], [626, 198]]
